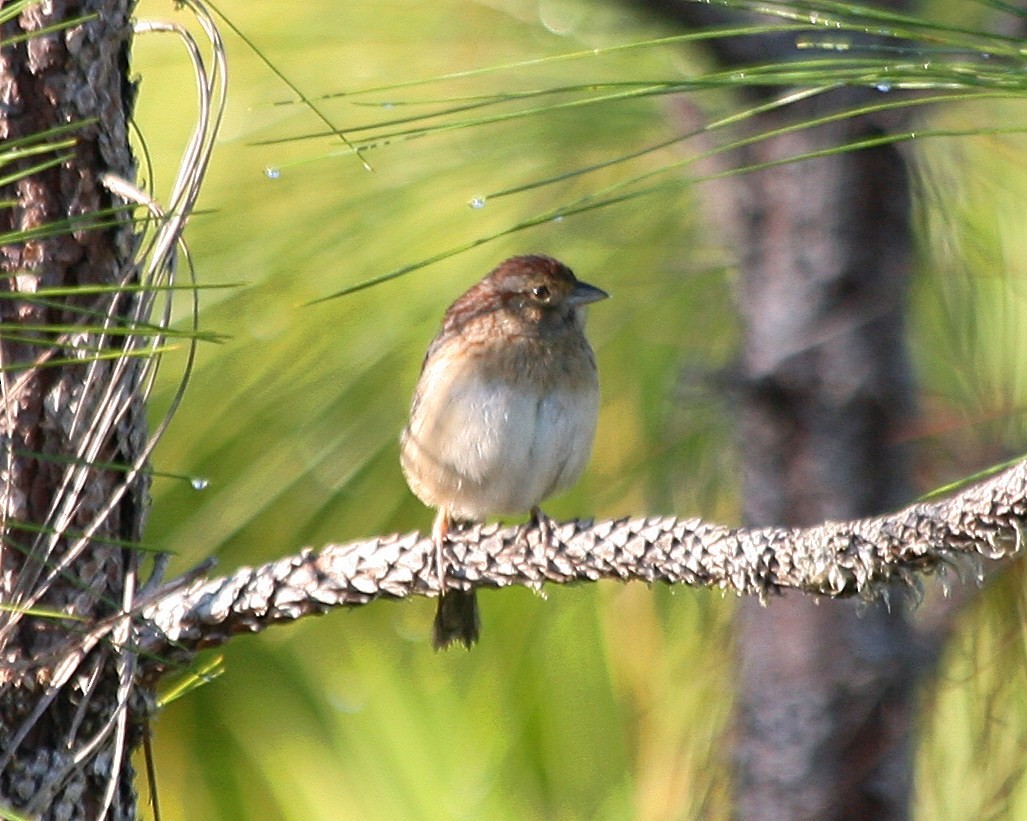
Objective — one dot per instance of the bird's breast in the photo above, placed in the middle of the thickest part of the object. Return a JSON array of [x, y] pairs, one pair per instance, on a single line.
[[497, 431]]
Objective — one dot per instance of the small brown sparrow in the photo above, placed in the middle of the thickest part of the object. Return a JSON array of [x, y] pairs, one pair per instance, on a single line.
[[505, 409]]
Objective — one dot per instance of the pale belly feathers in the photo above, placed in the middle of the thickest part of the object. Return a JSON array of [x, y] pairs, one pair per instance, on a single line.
[[483, 447]]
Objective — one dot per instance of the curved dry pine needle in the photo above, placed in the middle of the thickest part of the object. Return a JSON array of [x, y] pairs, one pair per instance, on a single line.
[[835, 559]]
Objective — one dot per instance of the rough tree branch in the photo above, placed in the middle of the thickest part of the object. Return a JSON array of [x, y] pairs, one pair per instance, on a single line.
[[833, 559]]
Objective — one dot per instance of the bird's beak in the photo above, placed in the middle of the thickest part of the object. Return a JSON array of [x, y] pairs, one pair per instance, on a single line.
[[583, 293]]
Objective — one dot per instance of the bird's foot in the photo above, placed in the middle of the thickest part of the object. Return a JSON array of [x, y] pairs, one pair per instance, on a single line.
[[546, 527], [439, 533]]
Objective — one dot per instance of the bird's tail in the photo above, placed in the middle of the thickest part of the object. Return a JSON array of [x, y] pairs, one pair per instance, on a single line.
[[456, 619]]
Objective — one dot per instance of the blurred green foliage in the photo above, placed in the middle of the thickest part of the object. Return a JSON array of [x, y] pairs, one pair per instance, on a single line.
[[600, 701]]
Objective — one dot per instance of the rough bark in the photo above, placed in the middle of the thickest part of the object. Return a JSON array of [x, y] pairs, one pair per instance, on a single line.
[[69, 421]]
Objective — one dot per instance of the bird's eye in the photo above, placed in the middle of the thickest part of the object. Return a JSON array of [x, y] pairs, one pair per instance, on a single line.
[[541, 293]]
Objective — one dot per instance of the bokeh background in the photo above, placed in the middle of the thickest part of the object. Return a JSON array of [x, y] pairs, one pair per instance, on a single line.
[[600, 701]]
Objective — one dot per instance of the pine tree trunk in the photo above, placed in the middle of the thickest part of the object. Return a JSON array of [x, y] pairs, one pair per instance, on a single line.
[[825, 690], [823, 710], [70, 423]]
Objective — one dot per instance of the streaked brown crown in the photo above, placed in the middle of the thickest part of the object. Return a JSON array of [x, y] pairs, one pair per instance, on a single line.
[[532, 285]]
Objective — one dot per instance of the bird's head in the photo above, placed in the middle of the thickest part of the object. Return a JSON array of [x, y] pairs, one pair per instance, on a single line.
[[537, 289]]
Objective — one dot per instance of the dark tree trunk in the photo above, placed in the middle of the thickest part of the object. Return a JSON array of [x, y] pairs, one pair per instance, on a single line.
[[69, 423], [824, 700], [824, 695]]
